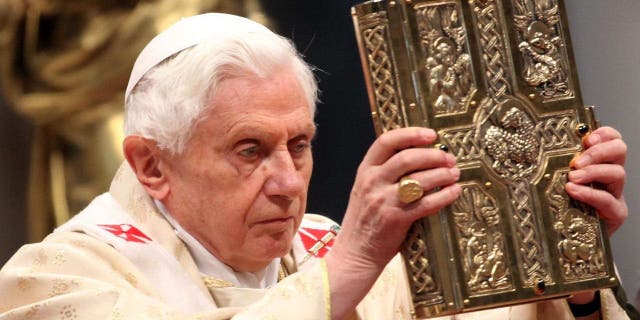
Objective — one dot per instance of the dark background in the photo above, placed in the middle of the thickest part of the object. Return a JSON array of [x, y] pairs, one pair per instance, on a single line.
[[323, 32], [15, 137]]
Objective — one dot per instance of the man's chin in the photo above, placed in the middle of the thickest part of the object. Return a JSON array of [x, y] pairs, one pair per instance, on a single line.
[[276, 248], [264, 254], [271, 245]]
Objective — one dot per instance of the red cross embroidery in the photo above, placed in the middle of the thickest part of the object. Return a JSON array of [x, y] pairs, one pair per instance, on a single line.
[[126, 231], [311, 237]]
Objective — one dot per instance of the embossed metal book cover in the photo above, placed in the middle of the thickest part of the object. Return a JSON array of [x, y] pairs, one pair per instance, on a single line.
[[496, 79]]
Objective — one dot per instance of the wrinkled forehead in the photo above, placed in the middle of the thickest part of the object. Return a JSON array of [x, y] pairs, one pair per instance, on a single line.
[[186, 33]]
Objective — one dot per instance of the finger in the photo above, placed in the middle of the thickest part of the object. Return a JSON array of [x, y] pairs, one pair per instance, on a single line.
[[612, 176], [613, 211], [415, 159], [436, 178], [435, 201], [601, 135], [390, 142], [612, 151]]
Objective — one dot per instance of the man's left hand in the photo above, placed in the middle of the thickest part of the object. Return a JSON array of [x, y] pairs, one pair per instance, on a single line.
[[601, 165]]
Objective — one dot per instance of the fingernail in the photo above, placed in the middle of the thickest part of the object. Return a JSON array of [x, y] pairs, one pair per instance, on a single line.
[[576, 175], [593, 139], [451, 160], [456, 189], [570, 187], [429, 133], [455, 172], [582, 161]]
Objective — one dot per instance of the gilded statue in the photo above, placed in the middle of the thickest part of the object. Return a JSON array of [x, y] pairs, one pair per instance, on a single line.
[[64, 66]]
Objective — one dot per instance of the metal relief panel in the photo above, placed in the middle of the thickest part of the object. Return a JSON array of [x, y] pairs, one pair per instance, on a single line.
[[424, 285], [494, 78], [378, 60], [542, 45], [445, 51], [481, 240], [557, 132], [463, 144], [488, 20], [505, 127], [381, 74], [579, 244]]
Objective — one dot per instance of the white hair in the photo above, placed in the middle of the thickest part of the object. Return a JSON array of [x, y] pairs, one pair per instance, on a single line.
[[167, 102]]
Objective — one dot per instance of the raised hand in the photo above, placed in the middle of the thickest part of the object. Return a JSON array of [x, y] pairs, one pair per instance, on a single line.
[[376, 221], [601, 165]]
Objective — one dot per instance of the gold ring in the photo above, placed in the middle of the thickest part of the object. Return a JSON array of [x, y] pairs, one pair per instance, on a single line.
[[409, 190]]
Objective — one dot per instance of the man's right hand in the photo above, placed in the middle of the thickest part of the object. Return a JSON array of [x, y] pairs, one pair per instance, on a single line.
[[376, 221]]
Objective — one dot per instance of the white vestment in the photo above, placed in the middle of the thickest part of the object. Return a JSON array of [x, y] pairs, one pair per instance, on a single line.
[[121, 259]]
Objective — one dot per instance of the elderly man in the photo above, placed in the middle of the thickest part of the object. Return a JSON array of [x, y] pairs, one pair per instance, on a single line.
[[206, 219]]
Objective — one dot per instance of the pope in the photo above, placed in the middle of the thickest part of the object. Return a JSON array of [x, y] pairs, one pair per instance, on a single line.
[[206, 218]]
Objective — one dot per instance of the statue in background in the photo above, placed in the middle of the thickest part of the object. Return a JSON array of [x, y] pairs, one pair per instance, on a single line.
[[64, 65]]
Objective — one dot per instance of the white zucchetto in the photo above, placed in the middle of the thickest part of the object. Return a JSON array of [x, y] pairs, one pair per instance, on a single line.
[[186, 33]]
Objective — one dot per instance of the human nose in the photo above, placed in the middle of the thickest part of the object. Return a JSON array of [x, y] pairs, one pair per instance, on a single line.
[[284, 180]]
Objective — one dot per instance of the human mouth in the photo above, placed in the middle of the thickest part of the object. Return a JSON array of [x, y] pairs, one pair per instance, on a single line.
[[276, 222]]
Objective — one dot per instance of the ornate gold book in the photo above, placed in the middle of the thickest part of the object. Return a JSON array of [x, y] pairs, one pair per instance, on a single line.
[[497, 80]]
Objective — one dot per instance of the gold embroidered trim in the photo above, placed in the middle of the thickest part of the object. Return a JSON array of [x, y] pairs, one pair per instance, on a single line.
[[604, 305], [283, 272], [326, 289], [211, 282]]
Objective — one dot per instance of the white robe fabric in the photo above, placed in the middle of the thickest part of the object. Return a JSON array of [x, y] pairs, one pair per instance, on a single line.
[[121, 259], [209, 265]]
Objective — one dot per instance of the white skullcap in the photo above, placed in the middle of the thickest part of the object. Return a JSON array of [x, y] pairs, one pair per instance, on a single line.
[[186, 33]]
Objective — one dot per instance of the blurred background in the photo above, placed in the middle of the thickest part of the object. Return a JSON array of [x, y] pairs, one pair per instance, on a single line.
[[64, 65]]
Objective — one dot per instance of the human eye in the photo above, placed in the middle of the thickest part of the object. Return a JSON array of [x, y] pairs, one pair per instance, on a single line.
[[299, 146], [249, 150]]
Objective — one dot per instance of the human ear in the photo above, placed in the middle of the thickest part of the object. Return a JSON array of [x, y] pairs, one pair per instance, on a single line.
[[145, 160]]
